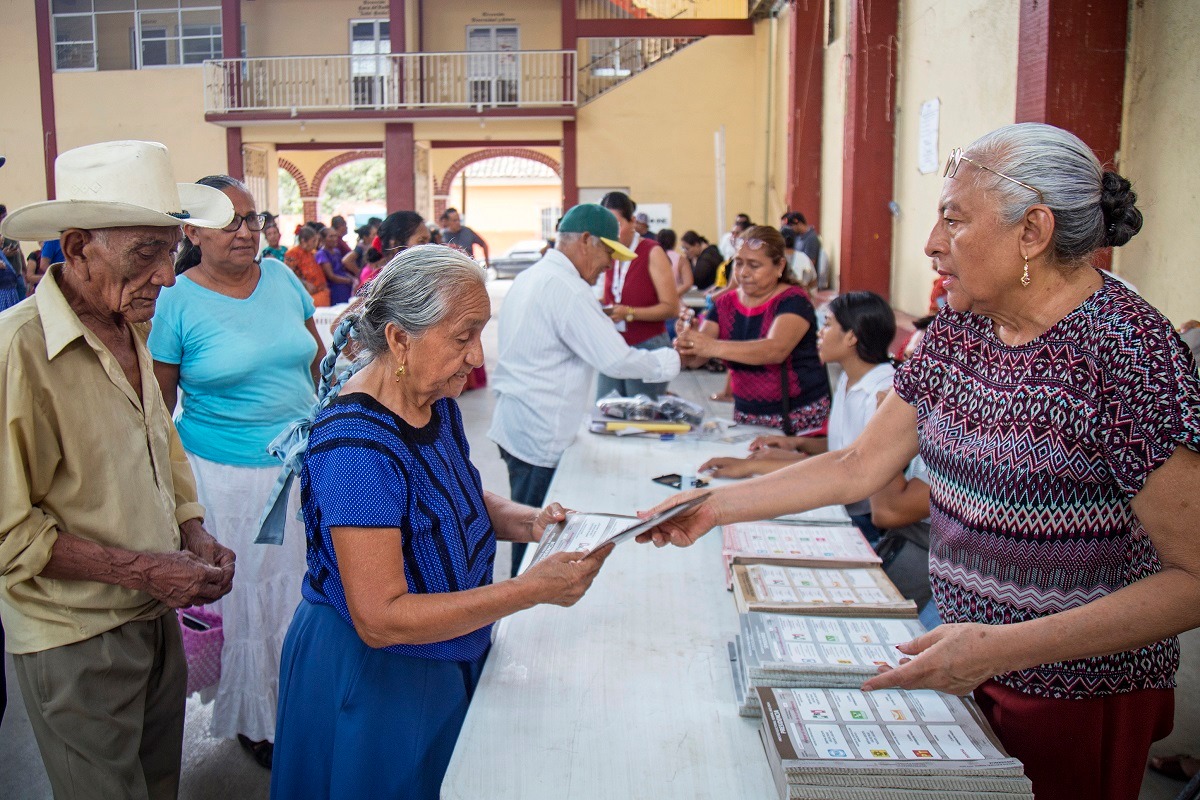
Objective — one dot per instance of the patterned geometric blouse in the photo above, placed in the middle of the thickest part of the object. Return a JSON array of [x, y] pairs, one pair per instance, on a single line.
[[1034, 454], [365, 467]]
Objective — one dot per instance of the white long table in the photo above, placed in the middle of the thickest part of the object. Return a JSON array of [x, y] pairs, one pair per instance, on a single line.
[[628, 694]]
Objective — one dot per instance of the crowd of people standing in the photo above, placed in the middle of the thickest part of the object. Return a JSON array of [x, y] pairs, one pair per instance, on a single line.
[[1047, 411]]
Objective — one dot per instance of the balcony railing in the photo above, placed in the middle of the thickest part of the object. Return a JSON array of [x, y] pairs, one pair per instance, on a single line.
[[399, 81], [607, 63], [662, 9]]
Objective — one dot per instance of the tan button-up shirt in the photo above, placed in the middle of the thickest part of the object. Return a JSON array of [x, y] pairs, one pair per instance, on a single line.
[[79, 453]]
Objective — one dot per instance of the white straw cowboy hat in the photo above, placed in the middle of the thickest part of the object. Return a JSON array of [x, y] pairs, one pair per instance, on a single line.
[[118, 185]]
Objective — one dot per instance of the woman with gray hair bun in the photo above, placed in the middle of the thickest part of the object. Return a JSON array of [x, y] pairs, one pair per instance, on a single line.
[[1059, 416], [388, 643]]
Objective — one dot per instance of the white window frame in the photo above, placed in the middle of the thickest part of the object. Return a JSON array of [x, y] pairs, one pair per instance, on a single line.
[[55, 44], [493, 73], [178, 38], [378, 77]]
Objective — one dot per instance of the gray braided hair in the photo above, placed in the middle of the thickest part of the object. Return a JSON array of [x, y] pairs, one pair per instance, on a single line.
[[414, 292]]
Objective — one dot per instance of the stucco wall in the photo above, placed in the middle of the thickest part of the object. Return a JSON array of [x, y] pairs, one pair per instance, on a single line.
[[162, 105], [300, 27], [446, 21], [23, 179], [506, 212], [654, 134], [1159, 145], [963, 53]]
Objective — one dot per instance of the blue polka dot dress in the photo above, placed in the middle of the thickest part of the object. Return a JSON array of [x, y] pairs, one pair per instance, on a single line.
[[354, 721]]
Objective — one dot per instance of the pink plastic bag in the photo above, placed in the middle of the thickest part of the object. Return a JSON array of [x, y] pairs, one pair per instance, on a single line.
[[203, 638]]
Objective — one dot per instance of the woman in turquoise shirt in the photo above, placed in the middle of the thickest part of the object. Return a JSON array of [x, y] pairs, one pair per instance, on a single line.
[[238, 338]]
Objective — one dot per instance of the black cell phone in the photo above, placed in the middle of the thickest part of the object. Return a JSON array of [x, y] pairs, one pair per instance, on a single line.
[[674, 480], [194, 623]]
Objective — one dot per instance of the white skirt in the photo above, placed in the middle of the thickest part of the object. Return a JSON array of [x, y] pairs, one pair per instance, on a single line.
[[266, 591]]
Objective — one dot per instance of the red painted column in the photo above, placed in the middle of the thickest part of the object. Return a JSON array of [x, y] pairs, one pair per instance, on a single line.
[[806, 58], [570, 183], [1071, 68], [45, 51], [231, 48], [398, 36], [233, 153], [231, 28], [399, 163], [865, 257]]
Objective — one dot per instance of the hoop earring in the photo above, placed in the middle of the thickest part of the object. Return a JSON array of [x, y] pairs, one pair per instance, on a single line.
[[399, 372], [1025, 275]]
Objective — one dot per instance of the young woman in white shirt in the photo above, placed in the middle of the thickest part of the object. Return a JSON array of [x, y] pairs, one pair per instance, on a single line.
[[856, 335]]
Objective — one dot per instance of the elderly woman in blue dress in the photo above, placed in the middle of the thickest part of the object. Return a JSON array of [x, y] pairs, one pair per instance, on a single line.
[[389, 640]]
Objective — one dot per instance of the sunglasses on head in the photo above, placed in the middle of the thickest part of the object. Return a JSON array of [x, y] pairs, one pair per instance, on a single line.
[[955, 161], [750, 244]]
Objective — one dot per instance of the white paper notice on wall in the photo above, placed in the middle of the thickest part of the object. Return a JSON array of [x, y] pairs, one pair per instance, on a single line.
[[927, 148], [659, 214]]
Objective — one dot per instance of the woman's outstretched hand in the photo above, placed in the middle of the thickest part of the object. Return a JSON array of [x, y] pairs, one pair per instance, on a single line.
[[951, 658], [729, 467], [684, 529]]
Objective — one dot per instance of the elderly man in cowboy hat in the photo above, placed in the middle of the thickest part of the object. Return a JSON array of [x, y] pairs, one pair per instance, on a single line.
[[100, 533]]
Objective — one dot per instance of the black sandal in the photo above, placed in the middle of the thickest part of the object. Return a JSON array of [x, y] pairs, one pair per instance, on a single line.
[[262, 751]]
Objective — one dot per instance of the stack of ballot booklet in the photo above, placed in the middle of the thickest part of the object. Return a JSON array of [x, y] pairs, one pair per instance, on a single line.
[[787, 651], [845, 744], [842, 591], [795, 545]]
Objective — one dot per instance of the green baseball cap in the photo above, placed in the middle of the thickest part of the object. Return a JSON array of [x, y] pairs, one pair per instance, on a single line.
[[599, 222]]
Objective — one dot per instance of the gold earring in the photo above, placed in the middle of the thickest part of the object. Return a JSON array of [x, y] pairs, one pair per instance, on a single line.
[[399, 372], [1025, 275]]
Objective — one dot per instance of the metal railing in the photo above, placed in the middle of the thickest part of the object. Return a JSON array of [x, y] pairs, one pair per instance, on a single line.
[[662, 9], [395, 81], [606, 63]]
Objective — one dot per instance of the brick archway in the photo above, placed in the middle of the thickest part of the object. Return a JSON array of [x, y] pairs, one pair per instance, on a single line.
[[307, 198], [443, 187], [340, 160]]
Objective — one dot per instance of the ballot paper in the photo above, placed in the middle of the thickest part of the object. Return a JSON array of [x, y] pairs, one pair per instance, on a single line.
[[786, 650], [888, 743], [586, 533], [855, 592], [771, 542], [804, 545]]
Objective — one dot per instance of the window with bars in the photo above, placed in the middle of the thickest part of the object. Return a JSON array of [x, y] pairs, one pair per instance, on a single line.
[[134, 34]]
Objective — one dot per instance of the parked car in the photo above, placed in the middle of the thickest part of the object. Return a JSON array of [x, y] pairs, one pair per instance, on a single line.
[[520, 256]]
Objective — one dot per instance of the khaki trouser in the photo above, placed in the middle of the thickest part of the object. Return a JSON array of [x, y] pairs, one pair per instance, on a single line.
[[108, 711]]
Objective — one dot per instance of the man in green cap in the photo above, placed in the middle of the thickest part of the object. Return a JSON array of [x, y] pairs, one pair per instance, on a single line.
[[553, 338]]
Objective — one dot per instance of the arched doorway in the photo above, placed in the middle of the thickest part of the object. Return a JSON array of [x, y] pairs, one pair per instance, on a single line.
[[512, 197], [355, 189], [442, 190]]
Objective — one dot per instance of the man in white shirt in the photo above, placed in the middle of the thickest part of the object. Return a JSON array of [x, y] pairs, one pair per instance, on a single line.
[[727, 245], [553, 338]]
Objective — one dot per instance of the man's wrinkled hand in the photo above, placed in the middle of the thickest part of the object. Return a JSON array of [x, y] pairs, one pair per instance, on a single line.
[[196, 539], [181, 578]]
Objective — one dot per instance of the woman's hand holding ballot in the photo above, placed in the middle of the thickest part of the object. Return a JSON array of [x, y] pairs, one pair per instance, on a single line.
[[685, 528]]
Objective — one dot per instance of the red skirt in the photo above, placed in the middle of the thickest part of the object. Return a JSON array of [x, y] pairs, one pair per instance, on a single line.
[[1093, 748]]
